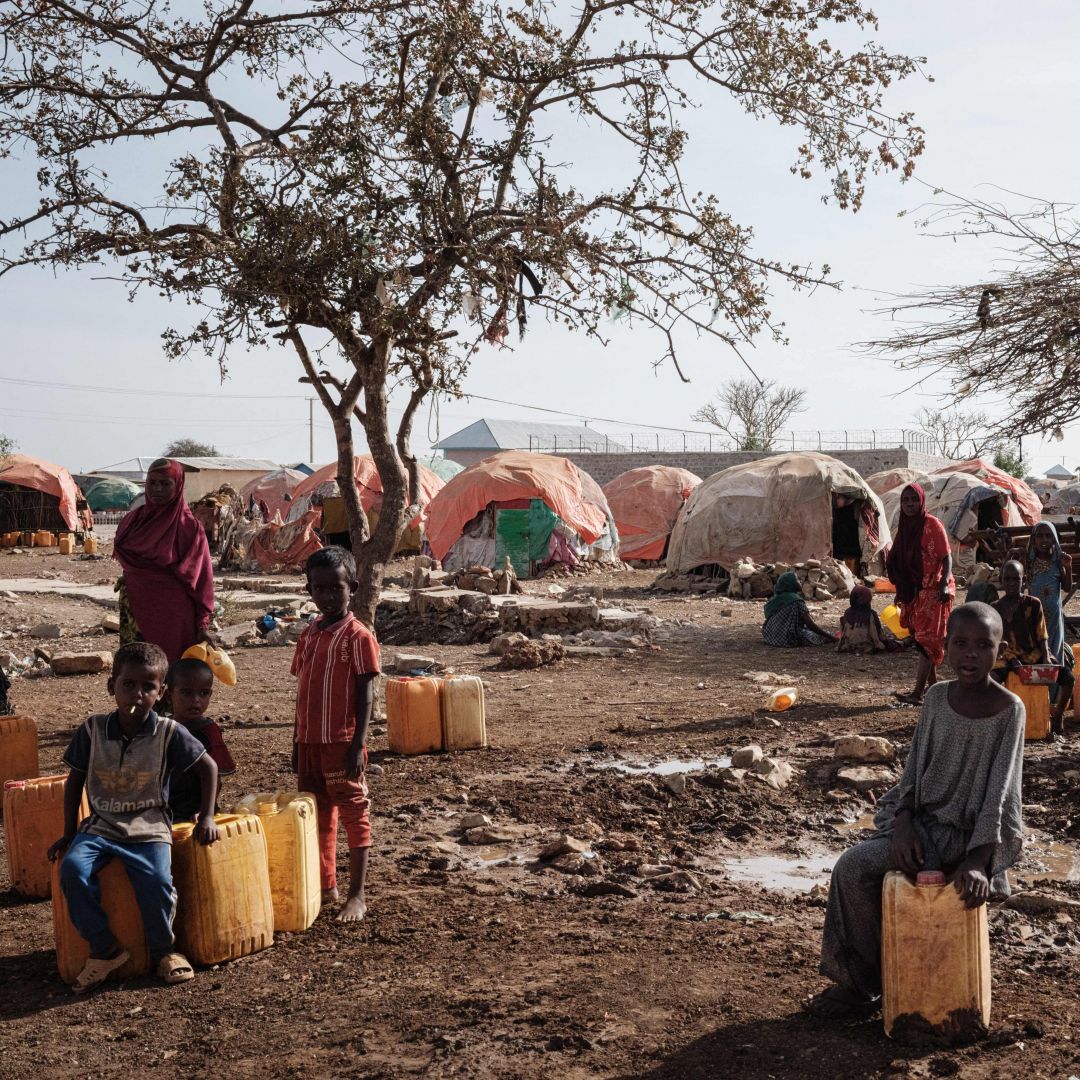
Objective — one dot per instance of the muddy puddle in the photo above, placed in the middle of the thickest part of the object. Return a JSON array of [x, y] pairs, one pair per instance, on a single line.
[[1048, 860], [783, 874], [667, 767]]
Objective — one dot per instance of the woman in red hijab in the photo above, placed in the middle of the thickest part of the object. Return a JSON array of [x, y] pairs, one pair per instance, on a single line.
[[168, 580], [920, 566]]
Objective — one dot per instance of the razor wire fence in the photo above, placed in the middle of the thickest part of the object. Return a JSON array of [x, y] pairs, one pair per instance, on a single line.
[[705, 442]]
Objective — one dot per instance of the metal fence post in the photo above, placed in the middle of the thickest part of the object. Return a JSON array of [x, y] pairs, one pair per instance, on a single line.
[[631, 442], [819, 439], [684, 442], [658, 442]]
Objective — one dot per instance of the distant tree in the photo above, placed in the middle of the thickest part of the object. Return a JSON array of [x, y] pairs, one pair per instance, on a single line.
[[1010, 462], [752, 413], [957, 434], [7, 446], [189, 448], [387, 187]]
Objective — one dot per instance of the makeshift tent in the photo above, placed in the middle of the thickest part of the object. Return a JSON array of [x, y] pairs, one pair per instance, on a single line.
[[274, 489], [534, 508], [1027, 502], [111, 494], [323, 482], [250, 545], [896, 478], [36, 494], [959, 500], [777, 509], [442, 467], [645, 503]]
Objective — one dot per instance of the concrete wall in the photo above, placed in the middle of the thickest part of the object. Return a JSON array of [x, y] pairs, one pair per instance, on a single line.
[[605, 467]]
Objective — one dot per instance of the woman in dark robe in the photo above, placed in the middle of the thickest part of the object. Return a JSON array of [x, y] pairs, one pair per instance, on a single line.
[[167, 588], [788, 624]]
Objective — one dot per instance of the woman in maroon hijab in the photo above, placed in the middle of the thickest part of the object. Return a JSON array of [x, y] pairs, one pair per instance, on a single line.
[[920, 566], [168, 581]]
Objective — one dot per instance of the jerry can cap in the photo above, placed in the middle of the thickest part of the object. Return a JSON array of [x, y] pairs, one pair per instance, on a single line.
[[930, 877]]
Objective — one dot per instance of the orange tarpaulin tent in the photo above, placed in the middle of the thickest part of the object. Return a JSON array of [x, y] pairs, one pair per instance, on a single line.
[[368, 483], [512, 475], [645, 503], [272, 489], [1027, 502], [29, 472]]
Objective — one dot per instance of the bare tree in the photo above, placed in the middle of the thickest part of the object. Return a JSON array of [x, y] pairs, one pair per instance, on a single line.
[[1016, 332], [189, 448], [958, 434], [752, 413], [385, 185]]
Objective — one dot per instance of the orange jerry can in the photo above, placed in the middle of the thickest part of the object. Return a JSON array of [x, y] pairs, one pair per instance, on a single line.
[[413, 715], [1036, 701], [89, 545], [125, 922], [18, 748], [33, 820], [26, 539], [464, 725], [935, 960], [66, 544], [224, 905]]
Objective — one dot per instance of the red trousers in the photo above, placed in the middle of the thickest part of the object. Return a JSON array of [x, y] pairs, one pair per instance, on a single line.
[[320, 770]]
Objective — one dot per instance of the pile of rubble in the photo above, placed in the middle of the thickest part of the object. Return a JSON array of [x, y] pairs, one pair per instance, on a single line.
[[820, 579]]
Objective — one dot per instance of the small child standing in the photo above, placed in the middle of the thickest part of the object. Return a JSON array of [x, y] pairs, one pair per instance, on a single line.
[[956, 808], [123, 760], [336, 662], [191, 686]]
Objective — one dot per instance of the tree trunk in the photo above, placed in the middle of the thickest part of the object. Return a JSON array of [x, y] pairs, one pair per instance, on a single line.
[[373, 556], [346, 478]]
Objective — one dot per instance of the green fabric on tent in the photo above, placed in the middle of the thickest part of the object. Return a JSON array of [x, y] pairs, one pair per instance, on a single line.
[[541, 524], [442, 467], [111, 494], [524, 536]]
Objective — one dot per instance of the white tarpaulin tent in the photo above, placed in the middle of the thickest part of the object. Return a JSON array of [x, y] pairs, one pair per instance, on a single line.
[[954, 498], [774, 510]]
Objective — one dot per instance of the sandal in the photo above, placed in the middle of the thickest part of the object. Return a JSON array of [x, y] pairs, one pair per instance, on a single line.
[[95, 972], [173, 968], [837, 1004]]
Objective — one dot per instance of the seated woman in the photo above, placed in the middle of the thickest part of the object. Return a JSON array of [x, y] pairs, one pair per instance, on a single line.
[[860, 627], [1026, 639], [788, 624]]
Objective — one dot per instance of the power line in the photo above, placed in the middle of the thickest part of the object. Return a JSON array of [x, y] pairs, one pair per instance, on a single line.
[[92, 389]]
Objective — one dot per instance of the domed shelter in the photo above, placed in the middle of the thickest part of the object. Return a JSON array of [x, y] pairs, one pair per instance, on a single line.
[[645, 503], [895, 479], [111, 494], [786, 508], [442, 467], [274, 491], [537, 509], [1027, 503], [321, 489], [961, 502], [38, 495]]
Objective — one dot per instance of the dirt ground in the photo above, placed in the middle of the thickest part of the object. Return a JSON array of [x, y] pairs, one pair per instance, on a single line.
[[486, 963]]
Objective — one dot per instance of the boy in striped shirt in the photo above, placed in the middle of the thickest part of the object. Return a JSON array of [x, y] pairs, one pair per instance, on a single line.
[[336, 661]]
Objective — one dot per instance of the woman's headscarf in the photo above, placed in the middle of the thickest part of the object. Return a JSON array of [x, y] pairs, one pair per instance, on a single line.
[[861, 611], [787, 590], [1055, 548], [166, 536], [905, 565]]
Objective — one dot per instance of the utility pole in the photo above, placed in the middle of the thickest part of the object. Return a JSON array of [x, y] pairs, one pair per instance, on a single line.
[[311, 428]]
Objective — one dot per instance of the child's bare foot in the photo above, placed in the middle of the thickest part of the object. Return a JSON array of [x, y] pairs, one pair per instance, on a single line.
[[907, 699], [330, 896], [354, 910]]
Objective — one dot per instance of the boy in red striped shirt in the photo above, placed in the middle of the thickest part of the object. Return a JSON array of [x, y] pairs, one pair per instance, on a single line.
[[336, 661]]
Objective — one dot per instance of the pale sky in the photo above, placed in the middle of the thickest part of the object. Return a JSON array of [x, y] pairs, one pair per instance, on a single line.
[[1001, 111]]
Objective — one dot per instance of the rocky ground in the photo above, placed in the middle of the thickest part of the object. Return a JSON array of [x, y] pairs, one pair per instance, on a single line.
[[676, 936]]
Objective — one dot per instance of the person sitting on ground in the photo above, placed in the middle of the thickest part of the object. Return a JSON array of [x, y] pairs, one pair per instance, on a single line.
[[123, 761], [920, 566], [788, 624], [336, 662], [191, 685], [860, 627], [1026, 640], [956, 808]]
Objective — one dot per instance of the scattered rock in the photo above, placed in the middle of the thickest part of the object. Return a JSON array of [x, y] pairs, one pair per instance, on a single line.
[[773, 772], [563, 845], [746, 757], [607, 887], [404, 663], [474, 821], [866, 777], [42, 653], [864, 748], [7, 659], [577, 862], [46, 631], [1041, 903], [492, 834], [676, 783], [533, 654], [501, 642], [80, 663]]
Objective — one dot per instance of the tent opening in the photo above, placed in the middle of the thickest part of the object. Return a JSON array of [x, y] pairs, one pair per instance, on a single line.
[[846, 544]]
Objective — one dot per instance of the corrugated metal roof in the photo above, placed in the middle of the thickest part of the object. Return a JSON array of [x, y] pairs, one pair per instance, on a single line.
[[527, 435], [1059, 472], [216, 464]]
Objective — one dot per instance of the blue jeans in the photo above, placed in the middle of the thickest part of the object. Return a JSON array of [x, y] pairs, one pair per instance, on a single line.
[[149, 869]]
